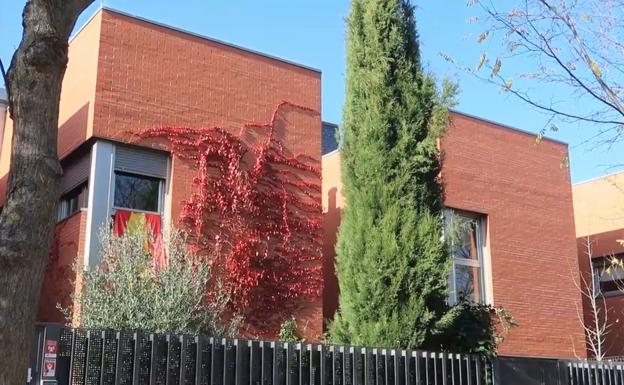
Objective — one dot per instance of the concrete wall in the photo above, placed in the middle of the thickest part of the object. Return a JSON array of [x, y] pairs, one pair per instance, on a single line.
[[526, 195], [599, 205]]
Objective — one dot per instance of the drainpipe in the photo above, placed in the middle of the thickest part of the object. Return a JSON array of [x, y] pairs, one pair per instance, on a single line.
[[4, 104]]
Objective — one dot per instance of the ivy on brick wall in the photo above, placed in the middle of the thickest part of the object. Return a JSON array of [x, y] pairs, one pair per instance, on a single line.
[[254, 214]]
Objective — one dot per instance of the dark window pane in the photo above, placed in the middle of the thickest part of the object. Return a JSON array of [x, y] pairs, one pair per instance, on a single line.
[[136, 192], [467, 282], [72, 202], [609, 278]]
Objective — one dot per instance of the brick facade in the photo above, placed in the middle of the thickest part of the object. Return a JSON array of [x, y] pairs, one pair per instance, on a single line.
[[526, 195], [67, 254], [126, 75]]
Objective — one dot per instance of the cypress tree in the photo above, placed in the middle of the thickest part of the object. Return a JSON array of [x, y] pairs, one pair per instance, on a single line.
[[392, 263]]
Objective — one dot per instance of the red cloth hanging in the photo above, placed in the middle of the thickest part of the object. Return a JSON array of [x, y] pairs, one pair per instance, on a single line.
[[120, 222], [153, 225], [156, 246]]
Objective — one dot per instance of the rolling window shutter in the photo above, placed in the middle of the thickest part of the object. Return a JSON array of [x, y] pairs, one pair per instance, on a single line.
[[75, 173], [140, 161]]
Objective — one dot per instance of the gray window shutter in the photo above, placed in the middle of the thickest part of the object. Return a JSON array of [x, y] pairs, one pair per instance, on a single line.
[[76, 173], [141, 161]]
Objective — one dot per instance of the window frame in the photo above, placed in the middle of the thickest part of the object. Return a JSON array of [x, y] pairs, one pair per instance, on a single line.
[[600, 264], [161, 193], [81, 193], [480, 221]]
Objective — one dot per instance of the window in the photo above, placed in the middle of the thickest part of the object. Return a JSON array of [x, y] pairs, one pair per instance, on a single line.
[[466, 236], [137, 192], [72, 202], [608, 276]]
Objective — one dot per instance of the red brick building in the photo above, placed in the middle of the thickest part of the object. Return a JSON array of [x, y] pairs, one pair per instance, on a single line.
[[524, 255], [126, 75]]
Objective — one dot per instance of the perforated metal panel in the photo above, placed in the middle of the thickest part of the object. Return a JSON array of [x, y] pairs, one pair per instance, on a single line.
[[141, 161]]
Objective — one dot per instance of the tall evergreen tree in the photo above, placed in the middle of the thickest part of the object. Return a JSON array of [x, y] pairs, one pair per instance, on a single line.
[[392, 263]]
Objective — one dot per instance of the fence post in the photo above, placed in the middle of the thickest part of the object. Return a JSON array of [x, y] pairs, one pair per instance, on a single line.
[[54, 369]]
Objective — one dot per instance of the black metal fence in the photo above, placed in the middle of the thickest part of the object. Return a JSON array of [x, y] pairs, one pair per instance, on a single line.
[[92, 357], [66, 356], [598, 373]]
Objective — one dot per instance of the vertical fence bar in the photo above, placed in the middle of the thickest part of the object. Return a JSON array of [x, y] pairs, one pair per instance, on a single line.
[[444, 360], [200, 361], [216, 369], [348, 365], [109, 357], [94, 358], [158, 360], [255, 366], [188, 361], [267, 363], [243, 362], [173, 359], [358, 366], [229, 362], [125, 359], [417, 367], [305, 374], [293, 363], [327, 358], [336, 362], [79, 357], [279, 365], [315, 365], [478, 370], [379, 366], [369, 368]]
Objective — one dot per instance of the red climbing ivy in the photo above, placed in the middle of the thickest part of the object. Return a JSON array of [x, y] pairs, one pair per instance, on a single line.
[[254, 214]]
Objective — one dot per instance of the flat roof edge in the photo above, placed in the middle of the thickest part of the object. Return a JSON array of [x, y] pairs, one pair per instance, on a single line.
[[84, 25], [200, 36], [595, 179], [506, 126], [333, 152]]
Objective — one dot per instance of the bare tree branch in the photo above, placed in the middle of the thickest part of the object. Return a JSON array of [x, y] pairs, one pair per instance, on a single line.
[[577, 45]]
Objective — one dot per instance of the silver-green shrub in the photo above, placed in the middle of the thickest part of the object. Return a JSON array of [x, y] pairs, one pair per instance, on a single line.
[[126, 291]]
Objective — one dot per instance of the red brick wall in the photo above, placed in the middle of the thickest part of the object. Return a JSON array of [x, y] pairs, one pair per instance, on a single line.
[[527, 197], [67, 249], [151, 76]]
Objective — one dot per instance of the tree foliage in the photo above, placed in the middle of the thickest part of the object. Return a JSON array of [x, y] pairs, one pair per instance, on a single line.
[[572, 57], [392, 263], [128, 292]]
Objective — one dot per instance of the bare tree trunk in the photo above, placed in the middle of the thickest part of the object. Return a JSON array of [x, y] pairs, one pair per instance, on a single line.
[[27, 220], [594, 318]]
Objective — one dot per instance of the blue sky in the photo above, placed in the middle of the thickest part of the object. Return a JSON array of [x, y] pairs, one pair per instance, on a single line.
[[312, 32]]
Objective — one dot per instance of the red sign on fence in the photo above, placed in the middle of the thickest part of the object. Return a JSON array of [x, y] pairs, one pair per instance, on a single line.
[[50, 348]]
